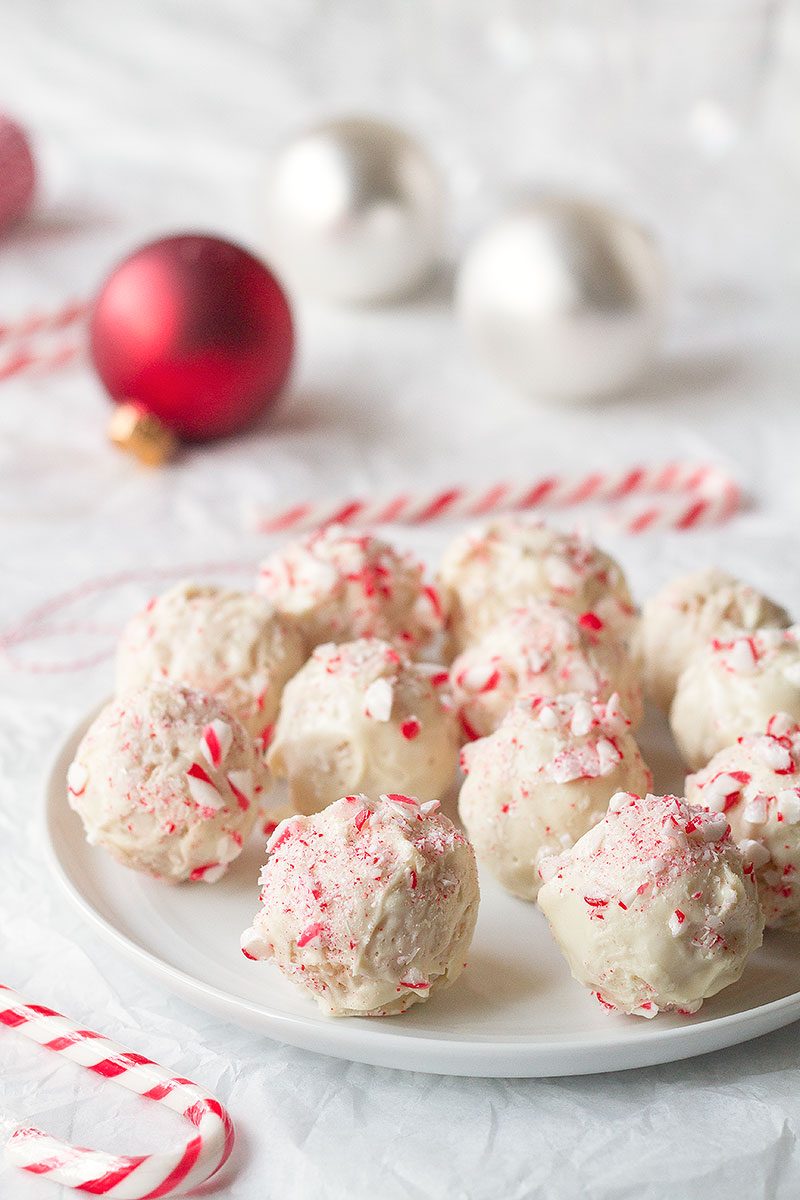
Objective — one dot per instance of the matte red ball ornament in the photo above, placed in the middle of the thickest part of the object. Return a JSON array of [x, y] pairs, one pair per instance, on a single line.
[[194, 331], [17, 172]]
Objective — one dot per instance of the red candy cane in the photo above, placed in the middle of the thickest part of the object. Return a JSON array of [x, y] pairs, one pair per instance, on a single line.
[[705, 493], [127, 1177]]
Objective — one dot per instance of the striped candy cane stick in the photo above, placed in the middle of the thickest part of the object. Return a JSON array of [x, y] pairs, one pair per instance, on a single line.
[[137, 1177], [691, 494]]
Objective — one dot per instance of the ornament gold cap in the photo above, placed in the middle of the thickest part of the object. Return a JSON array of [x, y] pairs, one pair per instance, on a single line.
[[141, 434]]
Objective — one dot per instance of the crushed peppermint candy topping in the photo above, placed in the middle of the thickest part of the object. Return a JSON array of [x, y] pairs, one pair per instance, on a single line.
[[750, 653], [755, 853], [378, 700], [774, 753], [640, 846], [312, 933], [788, 806], [478, 677], [410, 728], [202, 788], [356, 583], [414, 980], [210, 873], [676, 921], [755, 811], [216, 741], [241, 784], [781, 725], [77, 778], [590, 620], [724, 789]]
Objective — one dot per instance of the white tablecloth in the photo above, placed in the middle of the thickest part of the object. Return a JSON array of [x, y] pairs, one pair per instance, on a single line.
[[153, 116]]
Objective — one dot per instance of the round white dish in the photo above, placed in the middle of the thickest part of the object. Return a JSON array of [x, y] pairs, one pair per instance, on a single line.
[[516, 1011]]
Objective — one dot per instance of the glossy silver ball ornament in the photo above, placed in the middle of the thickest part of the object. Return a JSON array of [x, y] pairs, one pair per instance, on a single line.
[[564, 299], [353, 212]]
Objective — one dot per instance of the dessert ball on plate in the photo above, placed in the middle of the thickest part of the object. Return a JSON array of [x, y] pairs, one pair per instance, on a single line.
[[756, 784], [369, 906], [166, 781], [652, 907], [542, 780], [230, 644], [337, 585], [541, 649], [500, 566], [686, 614], [361, 716], [733, 687]]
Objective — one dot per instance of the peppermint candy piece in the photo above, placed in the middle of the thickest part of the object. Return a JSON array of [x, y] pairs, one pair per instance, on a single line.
[[202, 788], [77, 778], [241, 784], [378, 700], [216, 743]]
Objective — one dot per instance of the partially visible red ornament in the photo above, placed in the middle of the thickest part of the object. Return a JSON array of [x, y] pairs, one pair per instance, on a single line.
[[195, 331], [17, 172]]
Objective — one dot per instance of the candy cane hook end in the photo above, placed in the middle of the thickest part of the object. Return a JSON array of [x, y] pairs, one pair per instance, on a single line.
[[125, 1177]]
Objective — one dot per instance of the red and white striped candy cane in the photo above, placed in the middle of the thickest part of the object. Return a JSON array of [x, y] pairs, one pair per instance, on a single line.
[[705, 495], [127, 1177]]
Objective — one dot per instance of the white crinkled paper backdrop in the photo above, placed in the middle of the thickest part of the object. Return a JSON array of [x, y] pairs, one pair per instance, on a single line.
[[155, 119]]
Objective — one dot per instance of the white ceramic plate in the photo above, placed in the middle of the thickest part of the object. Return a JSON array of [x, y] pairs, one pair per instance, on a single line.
[[515, 1012]]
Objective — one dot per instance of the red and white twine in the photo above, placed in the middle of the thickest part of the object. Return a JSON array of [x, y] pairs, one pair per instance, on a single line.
[[690, 494], [41, 342], [126, 1177]]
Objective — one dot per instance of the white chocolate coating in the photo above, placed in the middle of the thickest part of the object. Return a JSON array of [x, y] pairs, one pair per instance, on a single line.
[[689, 612], [230, 644], [369, 905], [361, 717], [502, 565], [542, 649], [756, 784], [733, 688], [337, 585], [652, 907], [168, 783], [542, 780]]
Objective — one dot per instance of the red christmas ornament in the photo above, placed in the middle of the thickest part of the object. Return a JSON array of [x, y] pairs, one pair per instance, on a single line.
[[17, 172], [194, 331]]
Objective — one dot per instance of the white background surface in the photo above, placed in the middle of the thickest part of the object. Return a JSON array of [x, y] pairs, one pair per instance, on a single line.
[[151, 117]]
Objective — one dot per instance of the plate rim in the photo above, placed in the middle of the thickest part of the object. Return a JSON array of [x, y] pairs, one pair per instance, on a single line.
[[510, 1057]]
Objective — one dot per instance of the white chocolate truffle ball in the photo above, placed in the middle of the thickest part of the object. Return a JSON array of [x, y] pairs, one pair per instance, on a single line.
[[369, 905], [361, 717], [338, 585], [542, 650], [652, 908], [542, 780], [500, 566], [230, 644], [731, 688], [689, 612], [756, 784], [167, 782]]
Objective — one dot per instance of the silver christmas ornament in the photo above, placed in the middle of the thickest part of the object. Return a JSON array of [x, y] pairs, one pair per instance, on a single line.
[[563, 299], [353, 212]]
